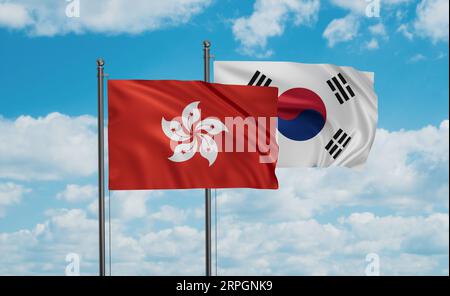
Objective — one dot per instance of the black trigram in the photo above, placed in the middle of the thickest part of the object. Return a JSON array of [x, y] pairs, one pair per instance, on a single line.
[[259, 80], [342, 90], [338, 143]]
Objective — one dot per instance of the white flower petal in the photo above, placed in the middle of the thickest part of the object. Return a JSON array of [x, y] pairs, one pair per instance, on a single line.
[[211, 126], [174, 130], [190, 115], [184, 151], [208, 148]]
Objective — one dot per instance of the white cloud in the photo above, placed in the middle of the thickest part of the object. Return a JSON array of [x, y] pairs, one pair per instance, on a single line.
[[311, 248], [404, 29], [441, 55], [359, 6], [407, 172], [50, 147], [312, 225], [42, 249], [397, 2], [380, 233], [372, 44], [77, 193], [413, 245], [10, 194], [378, 30], [130, 204], [48, 18], [13, 16], [170, 214], [66, 231], [341, 30], [165, 243], [417, 58], [269, 19], [432, 20]]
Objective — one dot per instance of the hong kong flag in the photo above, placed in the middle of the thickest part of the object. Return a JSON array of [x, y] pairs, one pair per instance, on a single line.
[[166, 134]]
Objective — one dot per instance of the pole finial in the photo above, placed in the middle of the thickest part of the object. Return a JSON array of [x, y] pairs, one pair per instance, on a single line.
[[206, 44], [100, 62]]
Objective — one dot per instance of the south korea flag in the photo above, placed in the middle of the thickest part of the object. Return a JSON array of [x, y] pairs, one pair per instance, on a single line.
[[327, 115]]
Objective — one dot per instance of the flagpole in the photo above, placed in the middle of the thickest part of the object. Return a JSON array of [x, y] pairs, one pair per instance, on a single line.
[[101, 167], [208, 257]]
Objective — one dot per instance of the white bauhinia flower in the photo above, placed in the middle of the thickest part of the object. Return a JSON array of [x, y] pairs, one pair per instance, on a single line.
[[174, 130], [190, 115], [184, 151], [193, 134]]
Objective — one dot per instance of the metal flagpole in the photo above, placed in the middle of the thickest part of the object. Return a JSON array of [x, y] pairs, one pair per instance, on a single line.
[[208, 257], [101, 167]]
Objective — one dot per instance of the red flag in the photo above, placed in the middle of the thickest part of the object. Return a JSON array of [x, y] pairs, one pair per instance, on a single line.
[[190, 134]]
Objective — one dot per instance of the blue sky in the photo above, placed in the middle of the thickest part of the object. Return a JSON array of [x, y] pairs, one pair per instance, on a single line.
[[48, 65]]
